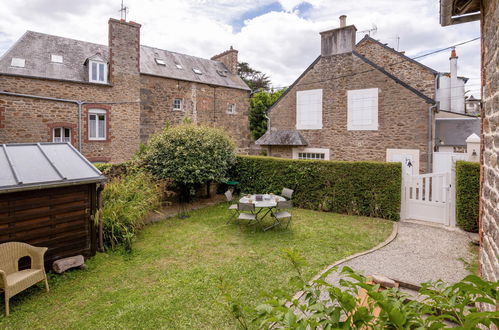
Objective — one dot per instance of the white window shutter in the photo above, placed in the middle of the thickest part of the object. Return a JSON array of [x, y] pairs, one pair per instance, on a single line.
[[309, 109], [362, 112]]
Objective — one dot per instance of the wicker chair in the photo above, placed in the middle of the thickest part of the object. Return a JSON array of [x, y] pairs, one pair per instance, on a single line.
[[12, 280]]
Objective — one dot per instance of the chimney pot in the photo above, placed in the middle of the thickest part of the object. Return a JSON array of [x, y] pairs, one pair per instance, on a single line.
[[343, 20], [453, 53]]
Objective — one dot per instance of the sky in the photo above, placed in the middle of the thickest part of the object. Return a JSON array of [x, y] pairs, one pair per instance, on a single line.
[[278, 37]]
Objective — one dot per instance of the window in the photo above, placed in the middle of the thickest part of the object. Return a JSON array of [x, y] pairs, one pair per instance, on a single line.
[[56, 58], [97, 72], [18, 62], [61, 134], [97, 124], [222, 73], [160, 61], [309, 109], [196, 71], [231, 109], [363, 109], [311, 153], [177, 104], [178, 66]]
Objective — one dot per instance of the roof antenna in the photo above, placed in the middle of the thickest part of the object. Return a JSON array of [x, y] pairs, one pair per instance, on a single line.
[[123, 11], [372, 30]]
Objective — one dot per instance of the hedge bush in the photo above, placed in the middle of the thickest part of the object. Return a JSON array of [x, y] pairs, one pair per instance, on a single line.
[[467, 195], [359, 188]]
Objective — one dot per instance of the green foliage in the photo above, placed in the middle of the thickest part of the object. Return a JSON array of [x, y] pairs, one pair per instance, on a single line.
[[467, 195], [253, 78], [358, 188], [127, 201], [437, 303], [259, 104], [190, 155], [103, 167]]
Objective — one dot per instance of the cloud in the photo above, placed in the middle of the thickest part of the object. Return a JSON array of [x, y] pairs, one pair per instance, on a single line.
[[278, 37]]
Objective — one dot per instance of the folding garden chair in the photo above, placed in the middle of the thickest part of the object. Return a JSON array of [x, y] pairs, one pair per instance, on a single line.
[[279, 214], [232, 207], [287, 193], [251, 217]]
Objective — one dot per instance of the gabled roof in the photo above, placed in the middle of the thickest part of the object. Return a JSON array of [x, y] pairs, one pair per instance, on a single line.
[[36, 48], [32, 166], [282, 138], [455, 131], [402, 56]]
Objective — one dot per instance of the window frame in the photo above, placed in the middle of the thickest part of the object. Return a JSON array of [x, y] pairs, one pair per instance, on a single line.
[[54, 58], [321, 151], [18, 62], [300, 110], [231, 109], [90, 71], [355, 95], [181, 104], [62, 128], [96, 111]]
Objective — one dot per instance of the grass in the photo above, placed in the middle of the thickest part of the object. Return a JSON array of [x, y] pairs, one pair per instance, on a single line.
[[171, 278]]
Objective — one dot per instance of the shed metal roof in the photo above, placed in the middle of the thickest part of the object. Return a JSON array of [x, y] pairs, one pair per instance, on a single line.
[[29, 166], [281, 138], [455, 131], [36, 48]]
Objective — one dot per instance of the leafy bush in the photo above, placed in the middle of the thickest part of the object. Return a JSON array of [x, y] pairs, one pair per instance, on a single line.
[[360, 188], [127, 201], [259, 104], [437, 304], [103, 167], [190, 155], [467, 195]]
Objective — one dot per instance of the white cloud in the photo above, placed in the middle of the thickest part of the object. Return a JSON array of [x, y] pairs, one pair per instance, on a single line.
[[281, 44]]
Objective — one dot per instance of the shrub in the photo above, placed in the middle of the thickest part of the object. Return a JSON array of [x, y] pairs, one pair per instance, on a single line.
[[467, 195], [189, 155], [127, 201], [360, 188], [103, 167]]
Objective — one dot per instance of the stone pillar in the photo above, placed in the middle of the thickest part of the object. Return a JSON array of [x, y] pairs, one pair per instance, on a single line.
[[473, 148]]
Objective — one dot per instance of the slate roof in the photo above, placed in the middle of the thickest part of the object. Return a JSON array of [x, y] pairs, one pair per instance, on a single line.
[[282, 138], [36, 48], [455, 131], [32, 166]]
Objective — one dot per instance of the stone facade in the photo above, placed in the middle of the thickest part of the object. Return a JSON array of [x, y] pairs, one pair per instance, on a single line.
[[136, 105], [229, 58], [489, 217], [402, 115]]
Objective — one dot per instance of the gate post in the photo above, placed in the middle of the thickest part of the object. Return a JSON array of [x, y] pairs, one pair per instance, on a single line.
[[403, 197]]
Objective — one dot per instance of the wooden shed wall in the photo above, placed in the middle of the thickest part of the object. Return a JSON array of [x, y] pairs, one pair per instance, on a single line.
[[57, 218]]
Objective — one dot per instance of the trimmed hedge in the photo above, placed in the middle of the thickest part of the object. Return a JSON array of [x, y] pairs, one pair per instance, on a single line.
[[359, 188], [467, 195]]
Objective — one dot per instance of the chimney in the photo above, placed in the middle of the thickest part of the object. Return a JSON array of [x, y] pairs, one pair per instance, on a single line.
[[229, 58], [340, 40], [456, 85], [124, 48]]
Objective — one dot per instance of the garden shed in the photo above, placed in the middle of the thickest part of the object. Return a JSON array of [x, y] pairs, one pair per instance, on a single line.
[[48, 194]]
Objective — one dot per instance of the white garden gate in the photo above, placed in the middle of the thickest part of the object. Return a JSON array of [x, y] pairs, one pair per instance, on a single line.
[[428, 197]]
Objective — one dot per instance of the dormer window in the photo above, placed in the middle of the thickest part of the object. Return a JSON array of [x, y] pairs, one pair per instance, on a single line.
[[196, 71], [97, 72], [160, 61], [178, 66], [56, 58], [18, 62]]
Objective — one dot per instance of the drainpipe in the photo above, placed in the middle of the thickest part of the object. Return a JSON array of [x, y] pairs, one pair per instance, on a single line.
[[429, 160]]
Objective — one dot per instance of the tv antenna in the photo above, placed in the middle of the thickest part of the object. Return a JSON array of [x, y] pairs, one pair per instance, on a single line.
[[372, 30], [123, 11]]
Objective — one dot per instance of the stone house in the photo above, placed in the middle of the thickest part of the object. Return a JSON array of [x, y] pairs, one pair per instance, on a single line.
[[107, 99], [363, 101], [487, 11]]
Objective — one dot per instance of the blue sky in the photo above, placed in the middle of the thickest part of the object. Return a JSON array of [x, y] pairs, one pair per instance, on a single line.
[[278, 37]]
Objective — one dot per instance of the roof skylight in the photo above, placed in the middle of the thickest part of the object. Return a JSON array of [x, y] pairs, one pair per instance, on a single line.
[[222, 73], [178, 66], [160, 61], [56, 58], [18, 62], [196, 71]]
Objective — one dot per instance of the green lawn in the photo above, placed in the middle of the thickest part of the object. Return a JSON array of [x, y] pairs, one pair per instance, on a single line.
[[171, 278]]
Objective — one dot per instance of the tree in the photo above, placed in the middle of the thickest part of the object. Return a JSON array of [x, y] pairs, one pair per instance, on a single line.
[[253, 78], [259, 104], [190, 156]]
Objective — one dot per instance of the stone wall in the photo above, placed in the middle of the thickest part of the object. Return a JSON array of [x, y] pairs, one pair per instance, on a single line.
[[489, 219], [397, 64], [203, 104], [402, 115]]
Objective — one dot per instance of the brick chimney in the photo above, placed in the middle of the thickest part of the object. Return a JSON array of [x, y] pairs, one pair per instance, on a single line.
[[124, 48], [340, 40], [229, 58]]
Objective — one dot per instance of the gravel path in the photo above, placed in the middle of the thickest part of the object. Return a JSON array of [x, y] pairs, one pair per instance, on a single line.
[[419, 253]]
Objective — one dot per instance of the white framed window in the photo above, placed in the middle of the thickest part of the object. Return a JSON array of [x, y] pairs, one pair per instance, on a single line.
[[18, 62], [97, 123], [363, 109], [56, 58], [309, 109], [61, 134], [178, 104], [311, 153], [97, 72], [231, 108]]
